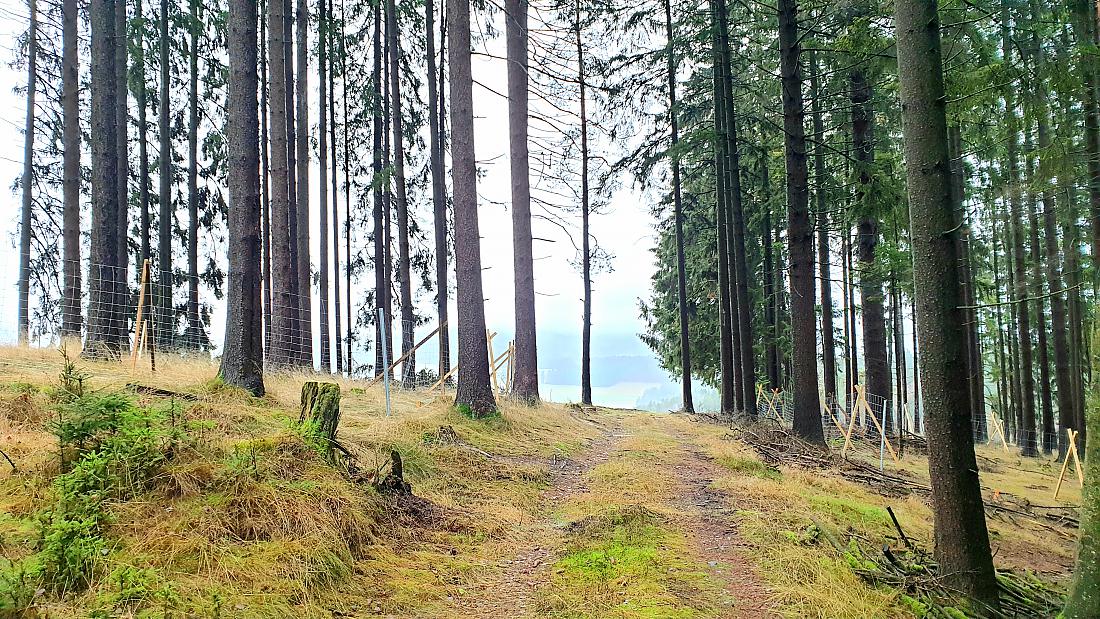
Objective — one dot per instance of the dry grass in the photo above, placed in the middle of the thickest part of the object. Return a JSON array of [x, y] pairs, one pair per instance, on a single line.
[[248, 522], [252, 523]]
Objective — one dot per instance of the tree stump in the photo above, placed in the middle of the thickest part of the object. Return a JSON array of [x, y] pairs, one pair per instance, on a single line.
[[394, 482], [320, 408]]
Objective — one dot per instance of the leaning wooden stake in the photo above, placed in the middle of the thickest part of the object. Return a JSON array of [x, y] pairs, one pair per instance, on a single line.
[[493, 373], [405, 356], [1070, 453], [882, 432], [138, 323]]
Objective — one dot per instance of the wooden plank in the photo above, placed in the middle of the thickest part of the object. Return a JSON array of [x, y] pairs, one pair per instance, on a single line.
[[1065, 466], [851, 422], [412, 350]]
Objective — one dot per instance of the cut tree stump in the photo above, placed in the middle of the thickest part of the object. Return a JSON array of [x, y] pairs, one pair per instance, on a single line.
[[321, 408]]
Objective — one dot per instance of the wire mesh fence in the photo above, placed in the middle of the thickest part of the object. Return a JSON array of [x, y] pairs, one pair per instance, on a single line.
[[138, 314]]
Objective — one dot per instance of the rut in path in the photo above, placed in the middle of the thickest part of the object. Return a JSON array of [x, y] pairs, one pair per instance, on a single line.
[[707, 521], [511, 592]]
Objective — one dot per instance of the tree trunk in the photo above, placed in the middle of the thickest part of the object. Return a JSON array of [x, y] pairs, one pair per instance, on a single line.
[[1084, 597], [242, 357], [744, 361], [122, 125], [526, 384], [800, 238], [166, 315], [195, 337], [23, 319], [962, 541], [297, 340], [347, 185], [284, 347], [104, 318], [586, 252], [876, 363], [70, 103], [974, 371], [301, 181], [828, 345], [322, 165], [143, 146], [439, 189], [1084, 26], [381, 286], [474, 391], [1026, 439], [404, 271], [687, 405], [721, 143], [917, 412], [335, 225], [265, 171], [771, 342]]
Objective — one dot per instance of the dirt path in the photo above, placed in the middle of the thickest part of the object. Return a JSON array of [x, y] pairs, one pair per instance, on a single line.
[[695, 510], [707, 521], [510, 592]]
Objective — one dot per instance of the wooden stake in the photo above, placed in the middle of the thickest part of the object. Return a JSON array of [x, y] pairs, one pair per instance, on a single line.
[[492, 362], [882, 433], [140, 310], [1071, 452], [406, 355], [444, 378], [852, 420]]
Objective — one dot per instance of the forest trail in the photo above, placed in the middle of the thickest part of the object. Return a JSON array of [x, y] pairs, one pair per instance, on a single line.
[[692, 510]]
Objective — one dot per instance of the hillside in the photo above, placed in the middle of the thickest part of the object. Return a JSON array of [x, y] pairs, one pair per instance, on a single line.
[[203, 501]]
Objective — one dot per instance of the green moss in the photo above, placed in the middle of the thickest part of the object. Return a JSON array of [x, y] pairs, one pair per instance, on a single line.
[[624, 563], [847, 510]]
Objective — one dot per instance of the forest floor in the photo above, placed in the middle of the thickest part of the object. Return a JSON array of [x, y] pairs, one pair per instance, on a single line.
[[552, 511]]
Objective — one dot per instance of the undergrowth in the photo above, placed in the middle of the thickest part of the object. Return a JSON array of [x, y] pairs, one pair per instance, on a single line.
[[110, 450]]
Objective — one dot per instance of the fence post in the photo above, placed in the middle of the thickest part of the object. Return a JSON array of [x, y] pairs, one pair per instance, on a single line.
[[385, 360]]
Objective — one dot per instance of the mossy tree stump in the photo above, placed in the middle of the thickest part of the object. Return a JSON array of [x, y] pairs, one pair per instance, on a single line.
[[320, 408]]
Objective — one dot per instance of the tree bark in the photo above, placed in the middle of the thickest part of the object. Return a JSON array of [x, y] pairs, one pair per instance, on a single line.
[[195, 336], [771, 342], [285, 346], [876, 363], [439, 190], [23, 314], [1084, 596], [265, 172], [404, 271], [1028, 446], [961, 537], [122, 125], [322, 165], [474, 392], [165, 322], [242, 358], [828, 345], [142, 96], [526, 383], [381, 279], [71, 313], [687, 404], [586, 251], [721, 143], [800, 241], [744, 360], [301, 179], [104, 319]]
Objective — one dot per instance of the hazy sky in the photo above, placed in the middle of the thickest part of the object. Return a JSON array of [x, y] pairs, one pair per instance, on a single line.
[[626, 231]]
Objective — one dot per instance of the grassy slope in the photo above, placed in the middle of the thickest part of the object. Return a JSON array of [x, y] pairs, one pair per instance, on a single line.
[[250, 522]]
